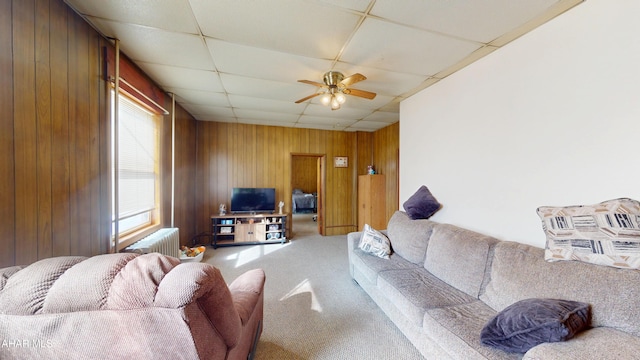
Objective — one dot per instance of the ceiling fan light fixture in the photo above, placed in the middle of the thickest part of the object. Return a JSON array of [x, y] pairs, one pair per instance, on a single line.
[[335, 87], [332, 78], [325, 99], [335, 104]]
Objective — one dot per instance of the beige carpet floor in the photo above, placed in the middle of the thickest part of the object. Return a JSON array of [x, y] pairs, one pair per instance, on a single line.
[[313, 309]]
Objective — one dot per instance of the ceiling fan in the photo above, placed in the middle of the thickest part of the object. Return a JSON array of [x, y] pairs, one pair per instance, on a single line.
[[336, 86]]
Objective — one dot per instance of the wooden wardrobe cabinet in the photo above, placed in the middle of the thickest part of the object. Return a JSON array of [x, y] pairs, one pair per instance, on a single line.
[[371, 202]]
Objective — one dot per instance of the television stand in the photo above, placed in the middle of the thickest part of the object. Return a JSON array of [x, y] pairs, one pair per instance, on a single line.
[[248, 229]]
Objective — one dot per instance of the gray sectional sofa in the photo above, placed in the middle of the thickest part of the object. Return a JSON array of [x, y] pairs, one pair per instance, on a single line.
[[443, 283]]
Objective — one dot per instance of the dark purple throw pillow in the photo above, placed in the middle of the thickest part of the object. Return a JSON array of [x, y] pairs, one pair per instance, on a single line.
[[421, 205], [531, 322]]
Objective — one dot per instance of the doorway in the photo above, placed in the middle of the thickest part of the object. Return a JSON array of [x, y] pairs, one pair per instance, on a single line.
[[307, 190]]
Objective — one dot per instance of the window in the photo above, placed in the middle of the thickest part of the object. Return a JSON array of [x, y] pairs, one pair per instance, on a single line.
[[137, 173]]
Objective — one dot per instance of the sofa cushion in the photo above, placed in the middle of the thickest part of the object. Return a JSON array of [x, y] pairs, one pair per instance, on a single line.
[[409, 238], [413, 291], [422, 204], [607, 233], [370, 266], [612, 293], [592, 344], [456, 329], [25, 292], [374, 242], [531, 322], [459, 257], [6, 273]]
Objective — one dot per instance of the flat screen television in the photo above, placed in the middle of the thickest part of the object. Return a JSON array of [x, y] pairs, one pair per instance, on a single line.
[[253, 200]]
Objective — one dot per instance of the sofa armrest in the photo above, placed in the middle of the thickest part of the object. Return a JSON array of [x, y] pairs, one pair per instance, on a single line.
[[593, 344], [353, 239], [246, 291]]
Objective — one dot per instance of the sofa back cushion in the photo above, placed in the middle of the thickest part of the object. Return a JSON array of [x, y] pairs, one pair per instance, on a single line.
[[409, 238], [459, 257], [519, 272], [121, 281]]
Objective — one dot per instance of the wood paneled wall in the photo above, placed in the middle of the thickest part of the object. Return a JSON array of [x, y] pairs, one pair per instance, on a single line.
[[304, 173], [7, 160], [382, 150], [241, 155], [54, 165], [386, 155], [54, 137]]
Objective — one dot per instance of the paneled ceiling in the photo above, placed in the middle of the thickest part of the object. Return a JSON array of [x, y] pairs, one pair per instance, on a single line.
[[239, 60]]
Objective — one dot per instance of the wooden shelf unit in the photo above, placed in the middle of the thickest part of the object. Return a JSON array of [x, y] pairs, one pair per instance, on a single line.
[[371, 201], [248, 229]]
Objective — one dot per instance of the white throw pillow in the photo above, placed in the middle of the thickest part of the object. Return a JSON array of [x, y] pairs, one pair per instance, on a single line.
[[374, 242]]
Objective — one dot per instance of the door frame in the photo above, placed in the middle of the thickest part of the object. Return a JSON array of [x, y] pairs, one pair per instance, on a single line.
[[321, 161]]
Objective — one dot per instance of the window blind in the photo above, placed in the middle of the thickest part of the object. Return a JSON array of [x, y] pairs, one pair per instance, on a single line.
[[137, 154]]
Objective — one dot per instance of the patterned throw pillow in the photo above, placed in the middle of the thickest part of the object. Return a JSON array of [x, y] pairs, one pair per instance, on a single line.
[[374, 242], [607, 233]]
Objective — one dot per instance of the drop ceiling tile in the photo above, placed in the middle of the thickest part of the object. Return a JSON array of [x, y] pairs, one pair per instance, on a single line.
[[384, 117], [253, 103], [430, 81], [382, 82], [480, 21], [188, 96], [392, 107], [265, 89], [265, 64], [246, 67], [204, 111], [358, 5], [172, 15], [367, 126], [183, 78], [361, 103], [404, 49], [151, 45], [292, 26], [344, 112]]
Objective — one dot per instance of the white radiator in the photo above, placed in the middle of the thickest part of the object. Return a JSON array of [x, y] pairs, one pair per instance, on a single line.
[[165, 241]]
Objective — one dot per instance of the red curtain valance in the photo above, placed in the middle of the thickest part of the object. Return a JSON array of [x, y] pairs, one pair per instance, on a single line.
[[135, 81]]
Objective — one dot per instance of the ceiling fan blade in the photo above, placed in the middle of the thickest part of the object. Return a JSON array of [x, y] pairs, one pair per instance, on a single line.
[[360, 93], [346, 82], [313, 83], [308, 97]]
